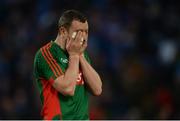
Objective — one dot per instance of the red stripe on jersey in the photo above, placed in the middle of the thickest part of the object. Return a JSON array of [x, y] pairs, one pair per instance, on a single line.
[[51, 106], [50, 55], [46, 50], [48, 60]]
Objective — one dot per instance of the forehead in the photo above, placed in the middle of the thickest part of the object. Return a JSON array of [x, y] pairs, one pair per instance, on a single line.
[[77, 25]]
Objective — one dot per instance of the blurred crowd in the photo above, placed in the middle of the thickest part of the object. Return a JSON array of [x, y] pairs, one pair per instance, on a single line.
[[134, 46]]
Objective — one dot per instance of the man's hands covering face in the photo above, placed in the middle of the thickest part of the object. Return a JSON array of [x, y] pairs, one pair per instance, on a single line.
[[76, 44]]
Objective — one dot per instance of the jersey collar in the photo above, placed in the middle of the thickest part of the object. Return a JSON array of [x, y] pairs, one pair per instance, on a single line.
[[58, 48]]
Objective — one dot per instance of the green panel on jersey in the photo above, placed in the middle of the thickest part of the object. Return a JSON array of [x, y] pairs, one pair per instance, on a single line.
[[43, 69], [72, 107], [36, 74], [57, 117], [77, 104]]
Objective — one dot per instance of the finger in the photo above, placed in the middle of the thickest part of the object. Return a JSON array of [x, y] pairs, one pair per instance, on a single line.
[[85, 41], [84, 38], [68, 42], [82, 41], [74, 35], [78, 37], [84, 45]]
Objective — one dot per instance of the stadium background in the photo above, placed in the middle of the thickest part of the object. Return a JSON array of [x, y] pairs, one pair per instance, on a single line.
[[134, 45]]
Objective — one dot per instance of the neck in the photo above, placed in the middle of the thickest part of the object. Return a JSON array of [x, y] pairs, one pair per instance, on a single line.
[[59, 41]]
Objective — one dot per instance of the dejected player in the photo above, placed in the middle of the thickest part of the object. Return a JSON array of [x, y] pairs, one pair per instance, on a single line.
[[63, 71]]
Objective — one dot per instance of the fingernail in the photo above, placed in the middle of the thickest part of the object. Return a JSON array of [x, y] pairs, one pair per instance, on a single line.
[[74, 35]]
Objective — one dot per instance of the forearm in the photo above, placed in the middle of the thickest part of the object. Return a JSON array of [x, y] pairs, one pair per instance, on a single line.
[[72, 71], [66, 83], [91, 76]]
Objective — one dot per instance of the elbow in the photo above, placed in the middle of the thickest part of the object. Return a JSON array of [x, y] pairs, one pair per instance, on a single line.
[[70, 93], [70, 88], [67, 90], [98, 92]]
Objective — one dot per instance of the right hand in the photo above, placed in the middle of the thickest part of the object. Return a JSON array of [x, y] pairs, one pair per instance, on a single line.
[[73, 46]]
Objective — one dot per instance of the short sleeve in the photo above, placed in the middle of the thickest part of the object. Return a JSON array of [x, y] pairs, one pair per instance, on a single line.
[[45, 67]]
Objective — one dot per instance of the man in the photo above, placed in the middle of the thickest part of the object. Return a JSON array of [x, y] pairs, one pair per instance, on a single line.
[[63, 71]]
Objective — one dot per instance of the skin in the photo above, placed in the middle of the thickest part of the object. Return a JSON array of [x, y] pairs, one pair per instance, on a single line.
[[66, 83]]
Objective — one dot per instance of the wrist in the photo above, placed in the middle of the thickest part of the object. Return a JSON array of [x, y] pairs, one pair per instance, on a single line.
[[74, 56], [82, 55], [82, 58], [74, 59]]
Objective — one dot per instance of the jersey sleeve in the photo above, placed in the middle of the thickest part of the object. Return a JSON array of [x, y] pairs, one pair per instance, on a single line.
[[45, 67]]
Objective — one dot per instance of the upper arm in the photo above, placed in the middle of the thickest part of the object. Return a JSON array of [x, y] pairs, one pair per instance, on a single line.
[[46, 68], [49, 70]]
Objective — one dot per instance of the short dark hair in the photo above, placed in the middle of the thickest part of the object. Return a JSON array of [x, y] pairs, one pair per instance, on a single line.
[[68, 16]]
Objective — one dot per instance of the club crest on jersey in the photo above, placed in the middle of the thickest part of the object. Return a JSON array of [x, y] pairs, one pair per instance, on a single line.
[[64, 60], [80, 80]]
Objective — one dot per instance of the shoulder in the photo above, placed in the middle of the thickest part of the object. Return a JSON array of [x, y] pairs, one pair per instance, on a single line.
[[42, 50], [39, 55]]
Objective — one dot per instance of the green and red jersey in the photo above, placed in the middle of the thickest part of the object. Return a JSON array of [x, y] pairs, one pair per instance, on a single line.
[[51, 62]]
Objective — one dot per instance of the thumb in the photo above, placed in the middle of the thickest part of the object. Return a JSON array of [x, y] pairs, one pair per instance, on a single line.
[[68, 43]]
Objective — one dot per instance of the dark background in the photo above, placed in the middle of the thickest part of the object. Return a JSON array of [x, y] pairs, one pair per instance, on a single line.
[[134, 46]]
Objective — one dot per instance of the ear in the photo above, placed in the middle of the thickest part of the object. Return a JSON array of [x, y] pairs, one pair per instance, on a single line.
[[62, 31]]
